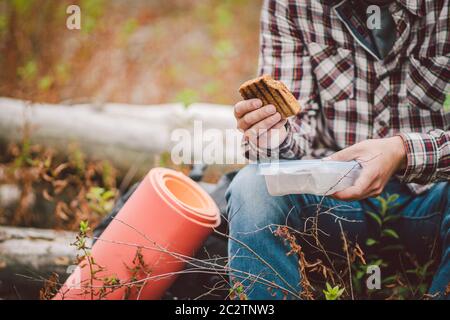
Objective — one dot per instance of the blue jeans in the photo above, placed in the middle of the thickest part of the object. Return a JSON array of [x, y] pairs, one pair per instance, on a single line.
[[257, 257]]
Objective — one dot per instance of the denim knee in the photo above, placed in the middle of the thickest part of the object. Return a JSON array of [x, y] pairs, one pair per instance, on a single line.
[[445, 224], [249, 205]]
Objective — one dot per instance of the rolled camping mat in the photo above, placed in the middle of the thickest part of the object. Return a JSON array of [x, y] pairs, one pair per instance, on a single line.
[[139, 254]]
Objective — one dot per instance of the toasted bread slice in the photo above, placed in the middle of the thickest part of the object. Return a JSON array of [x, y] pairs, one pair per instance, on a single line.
[[273, 92]]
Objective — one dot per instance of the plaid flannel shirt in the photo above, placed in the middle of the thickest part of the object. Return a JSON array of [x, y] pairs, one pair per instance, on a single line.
[[323, 52]]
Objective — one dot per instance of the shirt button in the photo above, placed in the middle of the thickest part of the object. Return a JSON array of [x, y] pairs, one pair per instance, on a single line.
[[382, 123]]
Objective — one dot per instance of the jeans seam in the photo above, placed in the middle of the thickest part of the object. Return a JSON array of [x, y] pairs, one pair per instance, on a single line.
[[327, 207], [427, 217]]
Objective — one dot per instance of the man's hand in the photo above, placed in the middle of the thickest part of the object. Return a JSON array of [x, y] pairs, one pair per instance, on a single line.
[[380, 159], [262, 125]]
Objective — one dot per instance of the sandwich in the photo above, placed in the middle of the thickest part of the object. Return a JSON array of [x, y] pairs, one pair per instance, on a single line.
[[271, 91]]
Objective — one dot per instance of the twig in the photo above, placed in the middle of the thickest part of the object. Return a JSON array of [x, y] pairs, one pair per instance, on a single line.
[[344, 238]]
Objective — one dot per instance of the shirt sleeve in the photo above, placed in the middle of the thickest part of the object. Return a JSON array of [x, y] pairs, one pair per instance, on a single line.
[[428, 156], [284, 56]]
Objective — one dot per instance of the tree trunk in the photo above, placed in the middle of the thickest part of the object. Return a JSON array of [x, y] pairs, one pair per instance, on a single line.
[[127, 135], [35, 251]]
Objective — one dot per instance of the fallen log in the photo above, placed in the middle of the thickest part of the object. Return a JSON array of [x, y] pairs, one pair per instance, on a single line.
[[127, 135], [28, 256], [33, 252]]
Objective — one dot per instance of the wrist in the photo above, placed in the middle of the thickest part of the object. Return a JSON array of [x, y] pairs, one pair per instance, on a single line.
[[399, 150]]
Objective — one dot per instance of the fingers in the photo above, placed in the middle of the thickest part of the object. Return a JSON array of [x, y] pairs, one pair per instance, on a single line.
[[348, 194], [365, 186], [263, 126], [271, 137], [245, 106], [253, 117], [280, 124]]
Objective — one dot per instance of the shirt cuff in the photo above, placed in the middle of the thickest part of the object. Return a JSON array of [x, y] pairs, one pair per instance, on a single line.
[[422, 157]]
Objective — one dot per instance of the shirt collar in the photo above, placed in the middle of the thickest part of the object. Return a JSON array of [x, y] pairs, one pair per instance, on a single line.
[[416, 7]]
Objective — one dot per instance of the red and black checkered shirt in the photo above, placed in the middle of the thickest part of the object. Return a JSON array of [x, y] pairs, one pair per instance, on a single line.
[[323, 52]]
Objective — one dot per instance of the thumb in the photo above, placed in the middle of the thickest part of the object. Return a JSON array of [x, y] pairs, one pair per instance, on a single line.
[[346, 154]]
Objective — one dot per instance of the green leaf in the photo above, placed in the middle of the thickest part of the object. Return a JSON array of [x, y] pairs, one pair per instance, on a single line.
[[224, 49], [383, 205], [378, 262], [332, 293], [108, 195], [22, 6], [45, 83], [371, 242], [390, 233], [389, 279], [129, 27], [391, 217], [411, 271], [375, 217], [84, 226], [360, 274], [393, 198], [3, 23], [187, 97], [28, 71]]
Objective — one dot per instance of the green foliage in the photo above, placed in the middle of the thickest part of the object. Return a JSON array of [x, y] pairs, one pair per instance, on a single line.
[[382, 237], [3, 23], [187, 97], [108, 174], [223, 16], [386, 206], [403, 276], [78, 159], [24, 157], [237, 292], [210, 87], [129, 27], [59, 181], [371, 242], [375, 217], [214, 41], [22, 6], [92, 11], [28, 71], [101, 200], [92, 8], [84, 227], [85, 258], [390, 233], [164, 159], [333, 293], [45, 83], [224, 49], [81, 239]]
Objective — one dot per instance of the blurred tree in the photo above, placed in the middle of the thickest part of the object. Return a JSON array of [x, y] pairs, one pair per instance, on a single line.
[[128, 51]]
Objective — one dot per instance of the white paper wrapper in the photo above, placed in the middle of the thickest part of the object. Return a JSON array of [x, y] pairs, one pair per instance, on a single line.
[[317, 177]]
